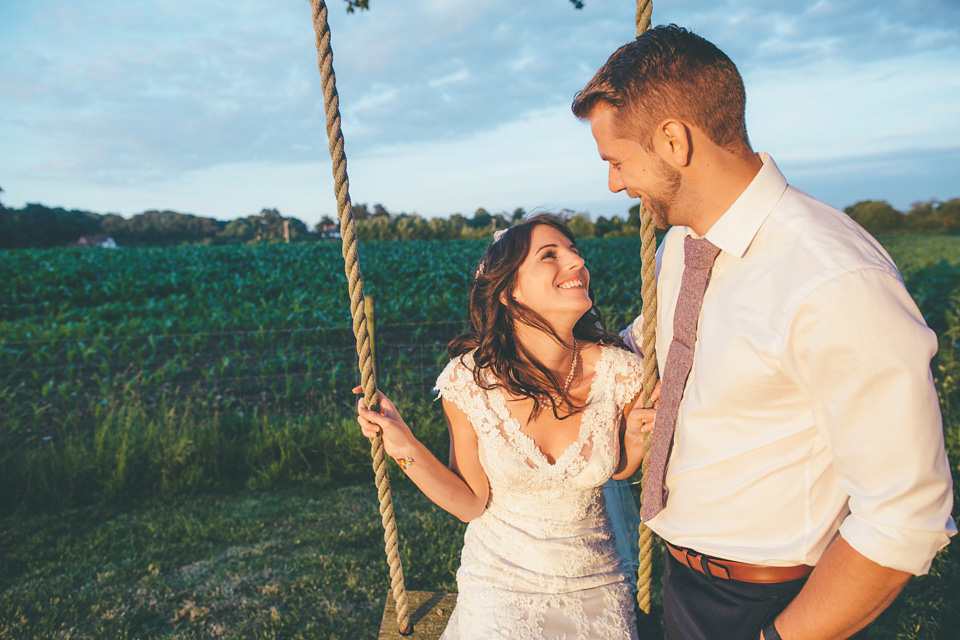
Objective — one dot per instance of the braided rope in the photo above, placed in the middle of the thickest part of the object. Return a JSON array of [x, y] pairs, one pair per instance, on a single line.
[[644, 11], [648, 294], [355, 283]]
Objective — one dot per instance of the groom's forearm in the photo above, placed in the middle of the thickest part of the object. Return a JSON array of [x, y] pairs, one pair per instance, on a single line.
[[845, 592]]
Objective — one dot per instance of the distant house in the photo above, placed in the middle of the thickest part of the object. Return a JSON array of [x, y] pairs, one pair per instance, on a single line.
[[99, 240], [330, 231]]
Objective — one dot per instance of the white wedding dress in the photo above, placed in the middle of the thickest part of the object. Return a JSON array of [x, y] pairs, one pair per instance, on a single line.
[[541, 561]]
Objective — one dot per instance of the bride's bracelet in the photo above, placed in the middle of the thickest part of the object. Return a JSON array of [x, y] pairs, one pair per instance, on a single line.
[[405, 463]]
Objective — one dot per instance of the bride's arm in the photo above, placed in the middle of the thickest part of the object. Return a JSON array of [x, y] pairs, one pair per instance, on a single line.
[[635, 426], [462, 488]]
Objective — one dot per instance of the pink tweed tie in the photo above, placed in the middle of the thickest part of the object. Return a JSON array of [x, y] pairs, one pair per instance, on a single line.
[[698, 258]]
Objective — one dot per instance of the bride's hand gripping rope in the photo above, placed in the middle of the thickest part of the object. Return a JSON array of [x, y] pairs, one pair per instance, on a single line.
[[398, 439], [640, 420]]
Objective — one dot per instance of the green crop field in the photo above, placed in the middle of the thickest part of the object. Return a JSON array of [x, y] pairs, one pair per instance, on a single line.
[[217, 341], [153, 384]]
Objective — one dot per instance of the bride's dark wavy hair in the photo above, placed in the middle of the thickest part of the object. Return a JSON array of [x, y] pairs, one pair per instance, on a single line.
[[494, 315]]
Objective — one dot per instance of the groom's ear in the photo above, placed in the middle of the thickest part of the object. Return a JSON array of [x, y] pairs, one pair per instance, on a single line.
[[674, 140]]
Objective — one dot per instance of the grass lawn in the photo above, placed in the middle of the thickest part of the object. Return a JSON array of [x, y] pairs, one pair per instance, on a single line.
[[254, 565], [285, 564]]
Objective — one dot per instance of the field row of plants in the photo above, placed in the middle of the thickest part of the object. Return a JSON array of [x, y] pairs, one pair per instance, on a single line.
[[185, 363], [55, 295], [223, 323]]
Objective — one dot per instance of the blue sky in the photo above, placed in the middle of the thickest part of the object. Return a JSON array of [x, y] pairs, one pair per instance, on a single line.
[[214, 107]]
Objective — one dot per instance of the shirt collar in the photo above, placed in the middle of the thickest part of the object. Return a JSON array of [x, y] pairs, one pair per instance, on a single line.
[[735, 229]]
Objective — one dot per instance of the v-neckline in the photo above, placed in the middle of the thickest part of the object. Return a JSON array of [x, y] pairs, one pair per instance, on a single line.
[[577, 442]]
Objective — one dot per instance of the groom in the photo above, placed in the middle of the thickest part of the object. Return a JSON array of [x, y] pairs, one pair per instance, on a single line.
[[806, 478]]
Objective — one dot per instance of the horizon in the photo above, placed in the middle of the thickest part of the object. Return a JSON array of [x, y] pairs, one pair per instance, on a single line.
[[394, 214]]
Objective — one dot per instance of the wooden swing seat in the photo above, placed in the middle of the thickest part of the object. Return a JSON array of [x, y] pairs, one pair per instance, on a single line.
[[429, 613]]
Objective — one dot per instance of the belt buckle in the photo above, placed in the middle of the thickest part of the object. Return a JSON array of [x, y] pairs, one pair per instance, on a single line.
[[687, 554], [705, 562]]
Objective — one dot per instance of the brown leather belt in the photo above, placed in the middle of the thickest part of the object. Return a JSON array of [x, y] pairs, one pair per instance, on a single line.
[[741, 571]]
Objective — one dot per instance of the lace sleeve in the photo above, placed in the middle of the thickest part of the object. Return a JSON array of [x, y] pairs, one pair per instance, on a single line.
[[455, 383], [627, 374]]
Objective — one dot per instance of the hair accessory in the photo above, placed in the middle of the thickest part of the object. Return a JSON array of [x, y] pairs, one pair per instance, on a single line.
[[499, 233], [405, 463]]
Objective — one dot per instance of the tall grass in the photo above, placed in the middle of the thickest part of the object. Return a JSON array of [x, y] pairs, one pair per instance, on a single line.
[[175, 447]]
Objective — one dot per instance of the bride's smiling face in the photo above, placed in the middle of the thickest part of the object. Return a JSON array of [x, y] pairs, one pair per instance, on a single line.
[[553, 280]]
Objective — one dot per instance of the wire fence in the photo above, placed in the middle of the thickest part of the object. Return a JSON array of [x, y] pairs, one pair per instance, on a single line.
[[46, 385], [49, 388]]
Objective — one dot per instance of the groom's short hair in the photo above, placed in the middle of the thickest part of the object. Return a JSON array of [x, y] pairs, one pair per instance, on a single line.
[[667, 72]]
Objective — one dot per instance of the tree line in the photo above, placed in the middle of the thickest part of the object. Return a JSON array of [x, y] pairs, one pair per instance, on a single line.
[[38, 226], [932, 216]]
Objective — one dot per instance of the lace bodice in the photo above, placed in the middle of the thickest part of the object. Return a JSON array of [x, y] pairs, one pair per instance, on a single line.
[[522, 480], [544, 542]]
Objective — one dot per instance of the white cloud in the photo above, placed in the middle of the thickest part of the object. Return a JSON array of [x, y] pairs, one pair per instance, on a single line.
[[214, 107], [848, 109]]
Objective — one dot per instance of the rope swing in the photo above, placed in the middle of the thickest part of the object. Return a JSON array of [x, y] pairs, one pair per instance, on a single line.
[[648, 295], [351, 264], [367, 374]]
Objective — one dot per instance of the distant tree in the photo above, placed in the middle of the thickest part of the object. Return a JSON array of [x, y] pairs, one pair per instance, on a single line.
[[298, 229], [921, 217], [481, 219], [617, 224], [163, 228], [949, 213], [39, 227], [359, 212], [380, 228], [412, 228], [499, 221], [270, 225], [113, 225], [581, 226], [518, 214], [602, 227], [380, 211], [267, 226], [239, 230], [443, 228], [876, 216], [625, 231], [934, 216]]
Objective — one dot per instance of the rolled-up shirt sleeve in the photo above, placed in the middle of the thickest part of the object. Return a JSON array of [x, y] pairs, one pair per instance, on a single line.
[[633, 335], [858, 346]]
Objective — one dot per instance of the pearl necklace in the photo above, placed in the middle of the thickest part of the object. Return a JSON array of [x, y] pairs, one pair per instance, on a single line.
[[573, 367]]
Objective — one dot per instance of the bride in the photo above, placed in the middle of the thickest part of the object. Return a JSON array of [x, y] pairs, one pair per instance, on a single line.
[[539, 401]]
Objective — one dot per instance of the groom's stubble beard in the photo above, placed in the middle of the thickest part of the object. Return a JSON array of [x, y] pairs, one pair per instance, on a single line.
[[662, 207]]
